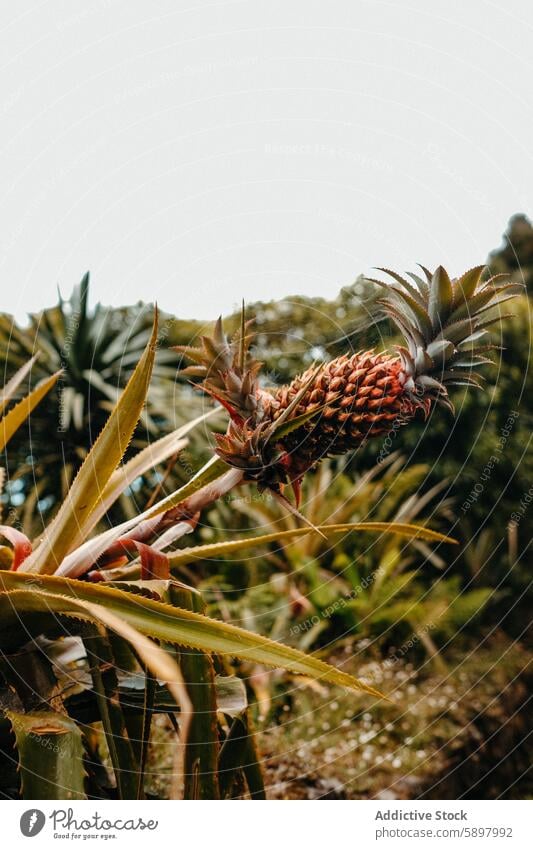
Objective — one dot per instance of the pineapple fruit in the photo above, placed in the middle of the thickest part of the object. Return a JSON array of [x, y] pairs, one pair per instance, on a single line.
[[274, 437]]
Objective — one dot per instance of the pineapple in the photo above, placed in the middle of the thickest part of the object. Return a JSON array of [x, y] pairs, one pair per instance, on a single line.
[[274, 437]]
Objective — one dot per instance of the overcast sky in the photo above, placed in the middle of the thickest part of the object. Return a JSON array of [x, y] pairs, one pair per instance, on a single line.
[[197, 153]]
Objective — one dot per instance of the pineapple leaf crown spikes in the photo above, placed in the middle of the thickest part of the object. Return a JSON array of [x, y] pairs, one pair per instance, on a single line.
[[444, 324], [228, 370]]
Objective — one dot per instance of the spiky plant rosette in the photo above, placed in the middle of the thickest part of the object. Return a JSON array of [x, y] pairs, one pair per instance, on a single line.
[[275, 436]]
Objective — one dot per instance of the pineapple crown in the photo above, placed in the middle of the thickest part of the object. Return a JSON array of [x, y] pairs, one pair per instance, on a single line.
[[444, 324]]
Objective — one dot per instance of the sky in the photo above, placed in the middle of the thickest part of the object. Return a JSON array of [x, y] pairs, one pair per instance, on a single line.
[[195, 154]]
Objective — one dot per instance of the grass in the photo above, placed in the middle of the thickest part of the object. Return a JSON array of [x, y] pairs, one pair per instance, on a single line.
[[444, 736]]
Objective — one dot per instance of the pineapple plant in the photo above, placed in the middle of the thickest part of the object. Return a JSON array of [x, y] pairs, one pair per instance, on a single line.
[[96, 635], [141, 640]]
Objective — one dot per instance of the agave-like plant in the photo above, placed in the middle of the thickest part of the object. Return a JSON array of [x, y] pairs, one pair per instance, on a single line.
[[114, 590], [100, 636], [96, 350]]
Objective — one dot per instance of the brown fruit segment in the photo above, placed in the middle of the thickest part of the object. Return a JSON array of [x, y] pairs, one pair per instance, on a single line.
[[361, 396]]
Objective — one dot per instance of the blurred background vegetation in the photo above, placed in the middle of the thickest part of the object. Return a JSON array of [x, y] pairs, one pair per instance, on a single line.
[[450, 619]]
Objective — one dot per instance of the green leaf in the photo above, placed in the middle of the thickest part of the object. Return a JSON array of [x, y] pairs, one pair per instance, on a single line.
[[467, 284], [440, 351], [242, 339], [50, 754], [457, 331], [205, 552], [440, 298], [81, 607], [412, 290], [11, 422], [397, 298], [204, 482], [411, 333], [12, 385], [208, 474], [154, 453], [197, 355], [201, 754], [421, 284], [66, 531], [99, 657], [159, 621], [469, 309], [232, 756]]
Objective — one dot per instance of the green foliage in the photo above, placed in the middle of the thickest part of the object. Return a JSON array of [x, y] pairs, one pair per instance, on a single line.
[[87, 668], [310, 592], [515, 256], [96, 351], [153, 627]]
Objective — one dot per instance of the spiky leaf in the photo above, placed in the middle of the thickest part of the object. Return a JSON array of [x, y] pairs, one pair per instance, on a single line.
[[11, 422], [66, 530], [56, 596]]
